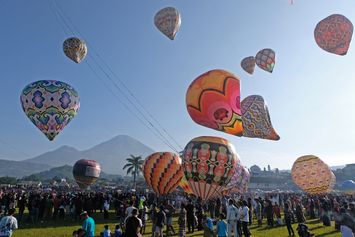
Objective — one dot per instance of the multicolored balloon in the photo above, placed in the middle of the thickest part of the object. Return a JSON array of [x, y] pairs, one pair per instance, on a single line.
[[213, 101], [86, 172], [265, 59], [256, 119], [240, 182], [248, 64], [333, 34], [312, 175], [209, 164], [163, 172], [185, 186], [75, 49], [50, 105], [168, 21], [348, 186]]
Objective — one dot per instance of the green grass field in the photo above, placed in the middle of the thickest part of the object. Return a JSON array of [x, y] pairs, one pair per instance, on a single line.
[[66, 227]]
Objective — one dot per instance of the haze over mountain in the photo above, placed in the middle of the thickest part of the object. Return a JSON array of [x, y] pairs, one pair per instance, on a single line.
[[111, 154], [20, 168]]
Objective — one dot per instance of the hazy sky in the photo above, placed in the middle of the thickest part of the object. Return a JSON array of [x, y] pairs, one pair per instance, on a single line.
[[310, 94]]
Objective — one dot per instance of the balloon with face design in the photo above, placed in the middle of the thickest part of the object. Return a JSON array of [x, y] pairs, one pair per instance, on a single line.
[[213, 101], [209, 164], [50, 105]]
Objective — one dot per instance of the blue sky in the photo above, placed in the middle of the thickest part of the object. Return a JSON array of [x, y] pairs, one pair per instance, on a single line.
[[309, 94]]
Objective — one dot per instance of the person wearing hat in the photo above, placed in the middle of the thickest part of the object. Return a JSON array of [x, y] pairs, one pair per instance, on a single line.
[[88, 224]]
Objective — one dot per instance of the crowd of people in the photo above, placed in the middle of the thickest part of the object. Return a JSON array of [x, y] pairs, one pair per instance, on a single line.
[[225, 216]]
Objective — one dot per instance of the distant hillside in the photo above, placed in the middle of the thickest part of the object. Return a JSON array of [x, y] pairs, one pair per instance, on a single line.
[[19, 169], [111, 154], [65, 172]]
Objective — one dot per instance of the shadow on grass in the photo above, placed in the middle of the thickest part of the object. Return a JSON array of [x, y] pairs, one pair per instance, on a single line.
[[328, 233], [312, 222]]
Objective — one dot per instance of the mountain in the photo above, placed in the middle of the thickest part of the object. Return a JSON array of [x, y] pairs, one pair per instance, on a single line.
[[65, 172], [111, 154], [19, 169]]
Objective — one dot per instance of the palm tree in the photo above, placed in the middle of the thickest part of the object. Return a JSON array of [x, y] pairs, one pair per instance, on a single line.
[[134, 165]]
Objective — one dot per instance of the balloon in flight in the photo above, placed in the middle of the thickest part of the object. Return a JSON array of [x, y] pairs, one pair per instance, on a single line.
[[168, 21], [248, 64], [213, 101], [50, 105], [265, 59], [86, 172], [75, 49]]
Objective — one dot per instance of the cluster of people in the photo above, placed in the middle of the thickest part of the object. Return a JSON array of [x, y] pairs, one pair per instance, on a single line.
[[225, 216]]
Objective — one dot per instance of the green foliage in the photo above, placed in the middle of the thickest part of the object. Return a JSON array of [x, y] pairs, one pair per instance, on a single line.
[[8, 180]]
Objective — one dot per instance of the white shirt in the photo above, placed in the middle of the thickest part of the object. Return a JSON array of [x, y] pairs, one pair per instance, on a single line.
[[107, 233], [232, 213], [244, 214], [9, 220], [346, 231], [129, 210]]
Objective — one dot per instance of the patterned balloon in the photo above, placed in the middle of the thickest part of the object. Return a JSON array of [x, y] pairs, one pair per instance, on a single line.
[[168, 21], [86, 172], [312, 175], [256, 119], [209, 164], [248, 64], [50, 105], [185, 186], [333, 34], [163, 172], [240, 182], [236, 177], [75, 49], [265, 59], [213, 100]]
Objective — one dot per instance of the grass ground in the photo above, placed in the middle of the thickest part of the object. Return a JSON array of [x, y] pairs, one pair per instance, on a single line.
[[64, 228]]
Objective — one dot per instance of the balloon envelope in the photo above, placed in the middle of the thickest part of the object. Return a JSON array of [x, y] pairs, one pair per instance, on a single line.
[[86, 172], [312, 175], [333, 34], [265, 59], [248, 64], [75, 49], [185, 186], [240, 181], [168, 21], [50, 105], [163, 172], [213, 101], [209, 164], [256, 119]]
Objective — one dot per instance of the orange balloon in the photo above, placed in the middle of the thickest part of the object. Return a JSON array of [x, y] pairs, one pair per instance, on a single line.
[[163, 172], [213, 101]]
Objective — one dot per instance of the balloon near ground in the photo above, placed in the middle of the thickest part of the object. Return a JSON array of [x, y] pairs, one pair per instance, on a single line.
[[312, 175], [248, 64], [168, 21], [265, 59], [213, 101], [185, 186], [86, 172], [163, 172], [209, 164], [50, 105], [239, 182], [75, 49], [256, 119], [333, 34]]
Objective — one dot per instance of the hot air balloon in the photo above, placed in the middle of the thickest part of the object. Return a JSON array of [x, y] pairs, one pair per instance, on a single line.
[[333, 34], [265, 59], [256, 119], [185, 186], [86, 172], [168, 21], [248, 64], [348, 186], [163, 172], [213, 101], [239, 182], [50, 105], [209, 164], [312, 175], [75, 49]]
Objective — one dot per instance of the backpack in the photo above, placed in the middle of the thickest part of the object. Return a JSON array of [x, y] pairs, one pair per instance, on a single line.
[[5, 228]]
